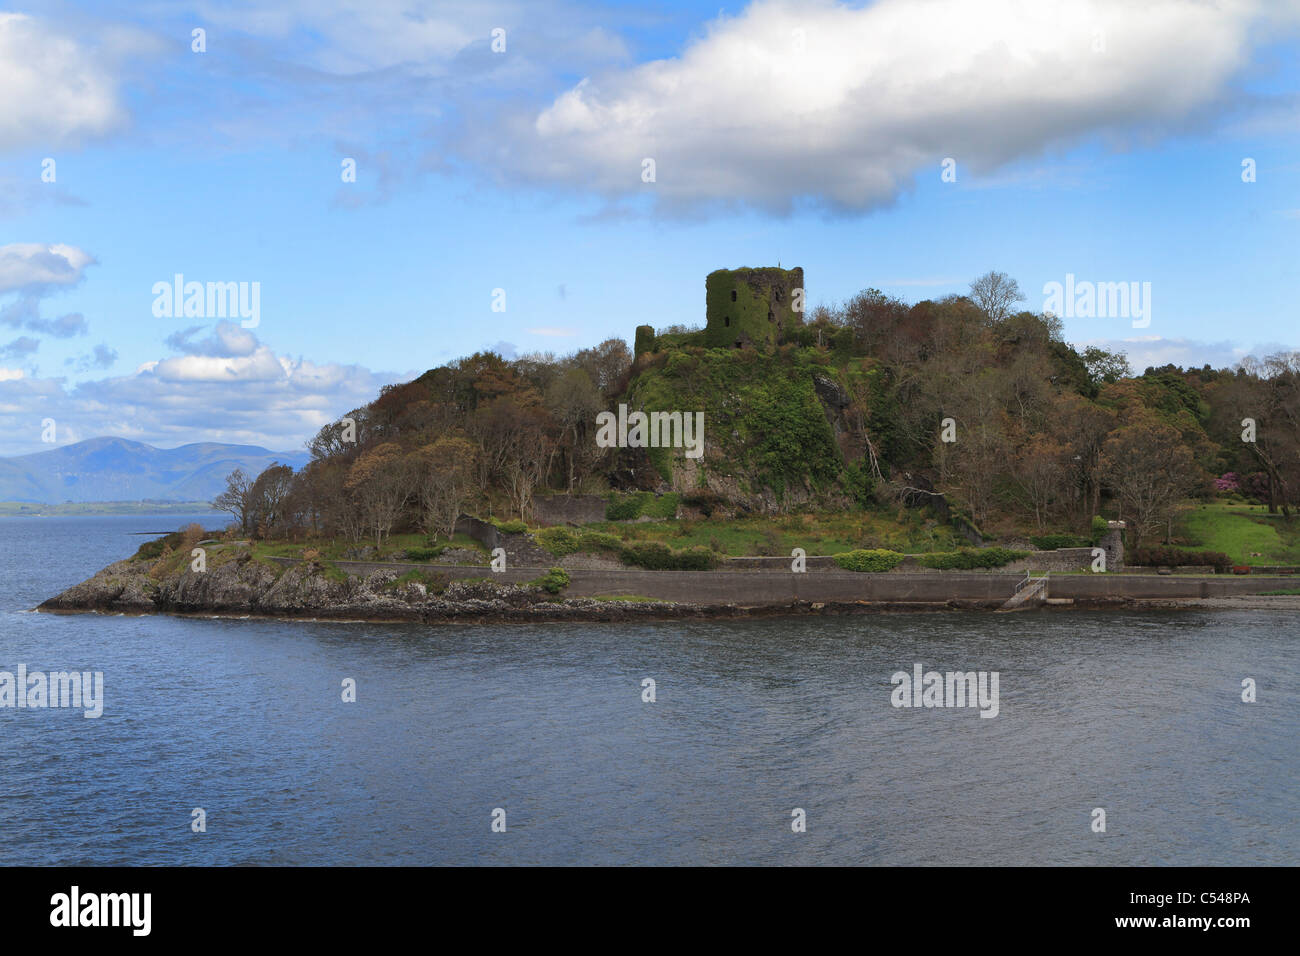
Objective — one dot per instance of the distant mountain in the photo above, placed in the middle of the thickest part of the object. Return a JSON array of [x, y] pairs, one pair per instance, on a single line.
[[114, 469]]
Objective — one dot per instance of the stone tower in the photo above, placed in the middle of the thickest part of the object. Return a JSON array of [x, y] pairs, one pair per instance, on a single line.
[[751, 308]]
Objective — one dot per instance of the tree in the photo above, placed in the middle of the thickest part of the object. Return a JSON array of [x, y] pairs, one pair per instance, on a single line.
[[1105, 367], [380, 484], [236, 500], [268, 498], [574, 402], [1039, 476], [444, 482], [342, 438], [1270, 396], [994, 293], [606, 365], [1151, 472], [1084, 426]]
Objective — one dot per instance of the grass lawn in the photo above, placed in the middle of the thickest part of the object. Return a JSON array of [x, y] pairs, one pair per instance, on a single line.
[[336, 550], [832, 533], [1241, 530]]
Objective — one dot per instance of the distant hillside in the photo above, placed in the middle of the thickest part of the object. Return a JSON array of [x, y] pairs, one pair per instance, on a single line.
[[114, 469]]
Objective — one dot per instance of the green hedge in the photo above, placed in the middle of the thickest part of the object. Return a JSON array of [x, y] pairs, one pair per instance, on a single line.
[[559, 540], [424, 554], [969, 559], [659, 557], [873, 559], [1173, 557]]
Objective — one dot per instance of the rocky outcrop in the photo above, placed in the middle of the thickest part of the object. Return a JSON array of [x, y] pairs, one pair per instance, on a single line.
[[243, 586]]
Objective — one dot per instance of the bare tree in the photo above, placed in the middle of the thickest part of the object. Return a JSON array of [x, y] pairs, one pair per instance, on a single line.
[[444, 481], [1039, 476], [237, 499], [268, 499], [994, 293]]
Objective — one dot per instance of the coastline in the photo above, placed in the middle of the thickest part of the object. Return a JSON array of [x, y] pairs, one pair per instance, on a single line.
[[244, 588]]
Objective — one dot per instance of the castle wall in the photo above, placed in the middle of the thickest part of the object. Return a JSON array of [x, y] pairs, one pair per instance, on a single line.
[[752, 307]]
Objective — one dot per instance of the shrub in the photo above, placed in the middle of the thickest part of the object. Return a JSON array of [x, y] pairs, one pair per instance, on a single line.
[[160, 568], [424, 554], [599, 541], [641, 503], [433, 583], [1099, 528], [622, 508], [656, 556], [872, 559], [558, 540], [513, 526], [553, 581], [968, 559], [154, 549], [1050, 542], [705, 500], [1173, 557]]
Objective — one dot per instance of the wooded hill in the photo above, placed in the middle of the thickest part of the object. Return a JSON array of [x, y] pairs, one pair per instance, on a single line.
[[849, 411]]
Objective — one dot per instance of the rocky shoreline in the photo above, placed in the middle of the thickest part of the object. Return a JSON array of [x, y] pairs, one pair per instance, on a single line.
[[244, 587]]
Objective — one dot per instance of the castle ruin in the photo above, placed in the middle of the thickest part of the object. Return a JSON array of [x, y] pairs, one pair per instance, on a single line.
[[752, 308]]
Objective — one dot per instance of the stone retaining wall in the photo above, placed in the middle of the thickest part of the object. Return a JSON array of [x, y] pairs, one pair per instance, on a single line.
[[568, 509], [751, 588]]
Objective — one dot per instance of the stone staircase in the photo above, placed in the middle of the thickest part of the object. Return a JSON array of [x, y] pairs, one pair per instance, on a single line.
[[1030, 592]]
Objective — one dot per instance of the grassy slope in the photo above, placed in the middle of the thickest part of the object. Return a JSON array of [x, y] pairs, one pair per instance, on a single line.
[[1240, 530]]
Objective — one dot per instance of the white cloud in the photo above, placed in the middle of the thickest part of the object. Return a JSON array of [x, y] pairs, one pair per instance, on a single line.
[[53, 90], [276, 402], [35, 266], [1153, 351], [227, 340], [840, 107]]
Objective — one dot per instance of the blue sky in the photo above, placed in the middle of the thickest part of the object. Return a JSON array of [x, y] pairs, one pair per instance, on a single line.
[[1093, 138]]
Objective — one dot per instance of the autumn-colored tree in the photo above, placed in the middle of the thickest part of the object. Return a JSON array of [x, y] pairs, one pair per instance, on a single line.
[[1039, 476], [444, 481], [380, 483], [1151, 471]]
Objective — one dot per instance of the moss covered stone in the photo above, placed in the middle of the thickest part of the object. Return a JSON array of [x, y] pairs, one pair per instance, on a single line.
[[752, 308]]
